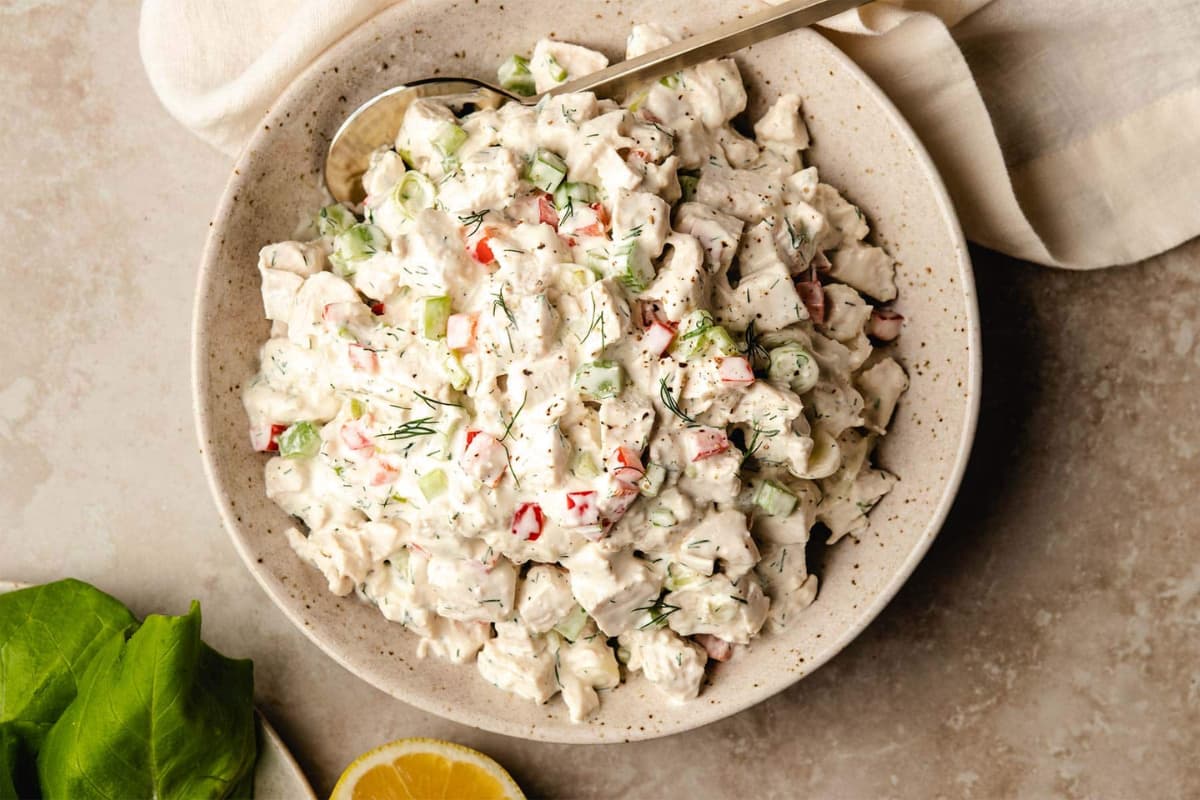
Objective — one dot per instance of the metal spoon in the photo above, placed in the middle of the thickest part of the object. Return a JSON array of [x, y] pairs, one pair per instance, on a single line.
[[376, 121]]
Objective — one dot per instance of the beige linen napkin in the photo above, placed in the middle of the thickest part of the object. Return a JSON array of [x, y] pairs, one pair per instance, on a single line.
[[1068, 132]]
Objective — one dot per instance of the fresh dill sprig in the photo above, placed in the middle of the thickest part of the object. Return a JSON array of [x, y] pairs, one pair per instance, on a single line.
[[668, 400], [798, 238], [410, 430], [658, 612], [755, 349], [502, 304], [596, 318], [475, 219], [513, 419], [756, 441], [431, 401]]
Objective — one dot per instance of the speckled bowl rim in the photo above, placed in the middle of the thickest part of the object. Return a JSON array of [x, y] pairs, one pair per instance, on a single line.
[[703, 714]]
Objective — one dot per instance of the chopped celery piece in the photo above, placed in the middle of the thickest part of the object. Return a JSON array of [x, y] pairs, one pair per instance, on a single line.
[[720, 340], [687, 186], [356, 243], [575, 191], [597, 259], [547, 170], [793, 366], [334, 219], [557, 71], [414, 192], [433, 317], [774, 500], [399, 562], [661, 517], [357, 407], [458, 377], [584, 465], [679, 576], [636, 103], [449, 138], [514, 76], [300, 440], [432, 483], [651, 483], [671, 81], [570, 626], [632, 266], [599, 380], [702, 335]]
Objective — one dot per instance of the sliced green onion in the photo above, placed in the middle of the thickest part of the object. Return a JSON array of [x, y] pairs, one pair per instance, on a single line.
[[547, 170], [637, 101], [356, 243], [774, 500], [671, 81], [432, 483], [414, 192], [793, 366], [514, 76], [661, 517], [651, 483], [599, 380], [570, 626], [449, 138], [575, 191], [334, 219], [557, 71], [434, 314], [300, 440]]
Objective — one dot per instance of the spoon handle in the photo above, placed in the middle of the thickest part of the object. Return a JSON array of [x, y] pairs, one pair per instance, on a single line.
[[721, 41]]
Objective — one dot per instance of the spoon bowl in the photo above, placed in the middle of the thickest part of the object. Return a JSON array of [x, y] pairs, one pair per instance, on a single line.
[[376, 121]]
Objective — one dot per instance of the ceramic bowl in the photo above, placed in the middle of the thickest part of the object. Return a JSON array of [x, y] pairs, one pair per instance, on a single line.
[[861, 144]]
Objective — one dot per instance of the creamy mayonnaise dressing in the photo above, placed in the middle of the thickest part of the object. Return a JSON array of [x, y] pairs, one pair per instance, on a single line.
[[574, 383]]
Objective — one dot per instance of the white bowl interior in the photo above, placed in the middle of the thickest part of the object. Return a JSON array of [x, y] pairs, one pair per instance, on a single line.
[[860, 145]]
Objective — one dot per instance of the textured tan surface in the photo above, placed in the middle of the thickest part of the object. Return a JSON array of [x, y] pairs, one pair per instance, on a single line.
[[1047, 646]]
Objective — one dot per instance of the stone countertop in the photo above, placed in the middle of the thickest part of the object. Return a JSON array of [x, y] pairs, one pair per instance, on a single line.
[[1047, 646]]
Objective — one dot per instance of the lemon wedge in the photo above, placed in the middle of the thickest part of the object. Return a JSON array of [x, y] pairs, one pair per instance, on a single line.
[[425, 769]]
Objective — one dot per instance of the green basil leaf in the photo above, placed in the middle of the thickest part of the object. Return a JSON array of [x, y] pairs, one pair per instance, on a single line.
[[158, 715], [48, 636]]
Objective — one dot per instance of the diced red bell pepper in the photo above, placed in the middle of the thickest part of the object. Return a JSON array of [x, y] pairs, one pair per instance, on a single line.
[[484, 458], [528, 522], [582, 508], [735, 369], [658, 338], [885, 324], [483, 252], [625, 464], [706, 442], [813, 296], [546, 211], [265, 438], [363, 359], [384, 470], [718, 649], [378, 309], [460, 331], [355, 438]]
